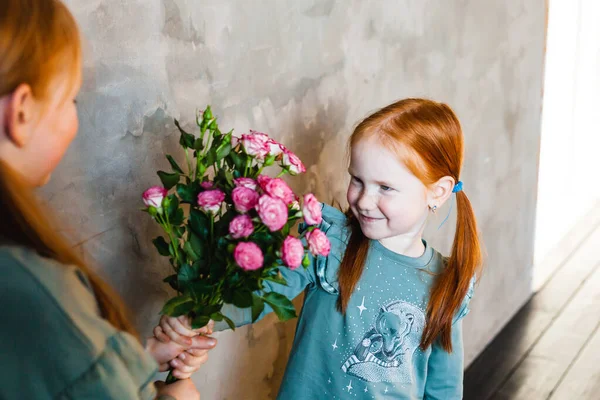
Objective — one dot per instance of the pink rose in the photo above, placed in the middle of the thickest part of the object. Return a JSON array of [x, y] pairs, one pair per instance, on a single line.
[[245, 182], [154, 196], [293, 163], [244, 199], [278, 188], [275, 148], [206, 185], [272, 212], [263, 180], [248, 256], [312, 210], [255, 144], [211, 200], [292, 252], [318, 243], [241, 226], [234, 141]]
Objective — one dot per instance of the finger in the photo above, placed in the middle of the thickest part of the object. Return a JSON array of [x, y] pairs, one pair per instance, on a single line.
[[194, 352], [179, 327], [177, 338], [203, 342], [163, 367], [191, 359], [160, 335], [182, 367], [181, 375]]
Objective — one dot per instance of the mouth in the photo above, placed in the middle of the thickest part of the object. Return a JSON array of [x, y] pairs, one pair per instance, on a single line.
[[366, 219]]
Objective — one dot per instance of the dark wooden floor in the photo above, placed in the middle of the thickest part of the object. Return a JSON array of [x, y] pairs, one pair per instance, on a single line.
[[551, 348]]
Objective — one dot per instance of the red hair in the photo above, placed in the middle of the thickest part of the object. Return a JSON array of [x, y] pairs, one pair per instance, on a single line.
[[428, 139]]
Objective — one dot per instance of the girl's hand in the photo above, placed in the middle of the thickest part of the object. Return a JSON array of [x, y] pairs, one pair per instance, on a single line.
[[180, 390], [179, 330], [184, 360]]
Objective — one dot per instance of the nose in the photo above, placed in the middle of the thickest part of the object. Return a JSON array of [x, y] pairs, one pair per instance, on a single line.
[[366, 201]]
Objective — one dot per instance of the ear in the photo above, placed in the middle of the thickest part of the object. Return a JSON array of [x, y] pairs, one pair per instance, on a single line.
[[440, 191], [19, 117]]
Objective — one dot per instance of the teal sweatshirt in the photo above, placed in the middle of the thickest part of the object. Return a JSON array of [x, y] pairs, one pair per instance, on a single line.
[[53, 342], [371, 352]]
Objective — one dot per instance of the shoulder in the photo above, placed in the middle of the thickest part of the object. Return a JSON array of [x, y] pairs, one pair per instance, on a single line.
[[52, 325]]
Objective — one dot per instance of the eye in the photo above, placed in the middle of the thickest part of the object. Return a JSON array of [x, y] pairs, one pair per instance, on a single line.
[[386, 188], [75, 101], [356, 180]]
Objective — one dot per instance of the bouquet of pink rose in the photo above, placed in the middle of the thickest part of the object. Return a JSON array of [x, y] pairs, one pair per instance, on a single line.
[[228, 226]]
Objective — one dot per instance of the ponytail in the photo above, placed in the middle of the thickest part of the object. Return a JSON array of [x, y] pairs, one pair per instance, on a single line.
[[452, 284]]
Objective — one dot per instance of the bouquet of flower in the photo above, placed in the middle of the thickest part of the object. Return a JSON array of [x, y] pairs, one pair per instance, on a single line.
[[227, 224]]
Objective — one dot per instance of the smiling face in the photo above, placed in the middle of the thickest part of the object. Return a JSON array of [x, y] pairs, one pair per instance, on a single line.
[[389, 202]]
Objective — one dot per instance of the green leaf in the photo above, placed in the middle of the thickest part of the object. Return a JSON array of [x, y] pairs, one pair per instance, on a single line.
[[242, 298], [277, 279], [216, 316], [199, 223], [197, 244], [238, 159], [186, 139], [186, 273], [178, 218], [258, 305], [188, 193], [161, 245], [211, 157], [172, 205], [174, 165], [178, 305], [223, 151], [229, 322], [222, 225], [201, 288], [168, 180], [178, 230], [281, 305], [200, 321], [187, 247], [198, 144], [172, 281]]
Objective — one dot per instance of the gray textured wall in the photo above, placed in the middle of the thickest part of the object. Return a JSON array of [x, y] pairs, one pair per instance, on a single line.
[[305, 72]]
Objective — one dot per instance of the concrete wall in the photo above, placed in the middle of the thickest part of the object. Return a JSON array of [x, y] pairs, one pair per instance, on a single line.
[[305, 72]]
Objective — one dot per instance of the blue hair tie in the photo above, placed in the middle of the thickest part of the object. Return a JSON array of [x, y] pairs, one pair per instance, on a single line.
[[457, 187]]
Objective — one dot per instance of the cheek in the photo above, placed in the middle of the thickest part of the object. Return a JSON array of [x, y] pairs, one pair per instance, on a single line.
[[352, 194]]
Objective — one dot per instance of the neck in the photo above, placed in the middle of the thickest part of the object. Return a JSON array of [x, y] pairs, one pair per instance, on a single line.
[[411, 246], [408, 244]]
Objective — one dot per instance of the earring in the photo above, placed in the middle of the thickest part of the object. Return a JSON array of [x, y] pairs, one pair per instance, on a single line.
[[433, 209]]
